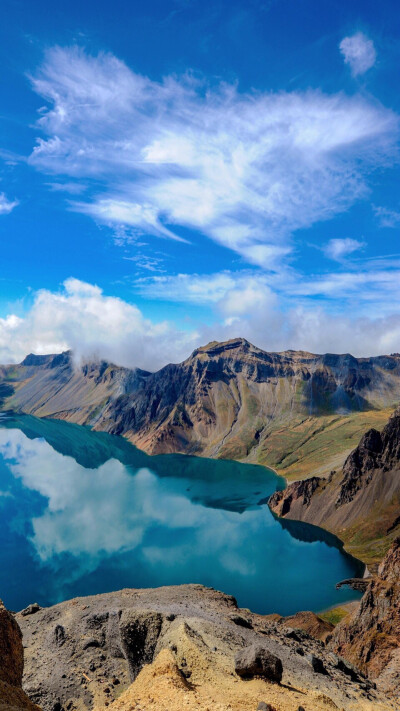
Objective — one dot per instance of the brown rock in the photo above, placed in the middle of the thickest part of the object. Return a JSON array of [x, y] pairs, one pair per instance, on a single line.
[[11, 650], [309, 622], [371, 638], [12, 664], [258, 661]]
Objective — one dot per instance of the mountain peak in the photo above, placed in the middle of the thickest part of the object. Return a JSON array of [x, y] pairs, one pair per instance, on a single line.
[[214, 348], [51, 358]]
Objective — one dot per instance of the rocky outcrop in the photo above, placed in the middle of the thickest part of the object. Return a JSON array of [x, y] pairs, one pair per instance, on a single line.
[[12, 696], [375, 451], [11, 650], [361, 503], [183, 647], [258, 661], [371, 638], [227, 399], [310, 623], [297, 495]]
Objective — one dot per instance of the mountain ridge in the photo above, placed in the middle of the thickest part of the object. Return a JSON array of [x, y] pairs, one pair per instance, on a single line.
[[228, 400]]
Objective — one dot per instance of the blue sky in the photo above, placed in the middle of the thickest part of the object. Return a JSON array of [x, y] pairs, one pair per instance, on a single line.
[[177, 171]]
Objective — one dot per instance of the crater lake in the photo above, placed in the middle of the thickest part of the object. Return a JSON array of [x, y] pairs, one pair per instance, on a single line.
[[85, 512]]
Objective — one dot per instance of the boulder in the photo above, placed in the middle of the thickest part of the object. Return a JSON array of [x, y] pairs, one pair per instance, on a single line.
[[258, 661]]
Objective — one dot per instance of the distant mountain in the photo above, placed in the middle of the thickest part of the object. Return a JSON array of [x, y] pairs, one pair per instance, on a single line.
[[294, 410], [361, 502]]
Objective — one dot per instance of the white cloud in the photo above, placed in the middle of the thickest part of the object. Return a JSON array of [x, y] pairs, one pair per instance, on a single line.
[[246, 170], [81, 317], [277, 312], [359, 52], [375, 285], [274, 313], [337, 249], [6, 206]]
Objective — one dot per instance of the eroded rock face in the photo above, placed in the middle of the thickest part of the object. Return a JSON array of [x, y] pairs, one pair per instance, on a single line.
[[139, 634], [371, 638], [361, 503], [84, 653], [11, 664], [300, 492], [310, 623], [375, 451], [11, 650]]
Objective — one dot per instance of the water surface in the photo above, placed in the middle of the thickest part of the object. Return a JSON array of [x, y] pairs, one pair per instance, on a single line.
[[85, 512]]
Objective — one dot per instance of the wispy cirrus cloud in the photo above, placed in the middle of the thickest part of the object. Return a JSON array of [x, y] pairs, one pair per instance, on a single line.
[[375, 287], [387, 217], [6, 205], [245, 169], [358, 52]]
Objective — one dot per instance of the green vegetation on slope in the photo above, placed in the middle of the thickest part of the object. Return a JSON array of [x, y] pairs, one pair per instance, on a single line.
[[299, 447], [335, 615]]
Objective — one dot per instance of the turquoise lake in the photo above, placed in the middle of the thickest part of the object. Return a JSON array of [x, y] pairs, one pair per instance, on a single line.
[[85, 512]]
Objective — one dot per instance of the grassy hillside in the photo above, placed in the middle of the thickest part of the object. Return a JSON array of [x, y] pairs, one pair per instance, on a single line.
[[300, 447]]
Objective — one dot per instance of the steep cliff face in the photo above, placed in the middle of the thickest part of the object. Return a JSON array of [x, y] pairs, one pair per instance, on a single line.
[[11, 665], [371, 638], [228, 400], [361, 503]]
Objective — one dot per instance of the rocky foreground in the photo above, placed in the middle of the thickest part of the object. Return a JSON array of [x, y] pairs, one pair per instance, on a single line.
[[185, 647], [191, 647]]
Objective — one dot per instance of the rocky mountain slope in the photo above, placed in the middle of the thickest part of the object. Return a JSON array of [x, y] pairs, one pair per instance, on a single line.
[[361, 502], [184, 647], [12, 697], [371, 638], [296, 411]]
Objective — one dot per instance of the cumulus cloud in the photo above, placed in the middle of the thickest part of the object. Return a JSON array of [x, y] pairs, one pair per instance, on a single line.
[[92, 324], [6, 206], [359, 52], [244, 169], [337, 249], [274, 314]]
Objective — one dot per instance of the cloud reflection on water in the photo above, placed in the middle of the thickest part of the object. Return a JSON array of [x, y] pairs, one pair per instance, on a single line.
[[132, 527]]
